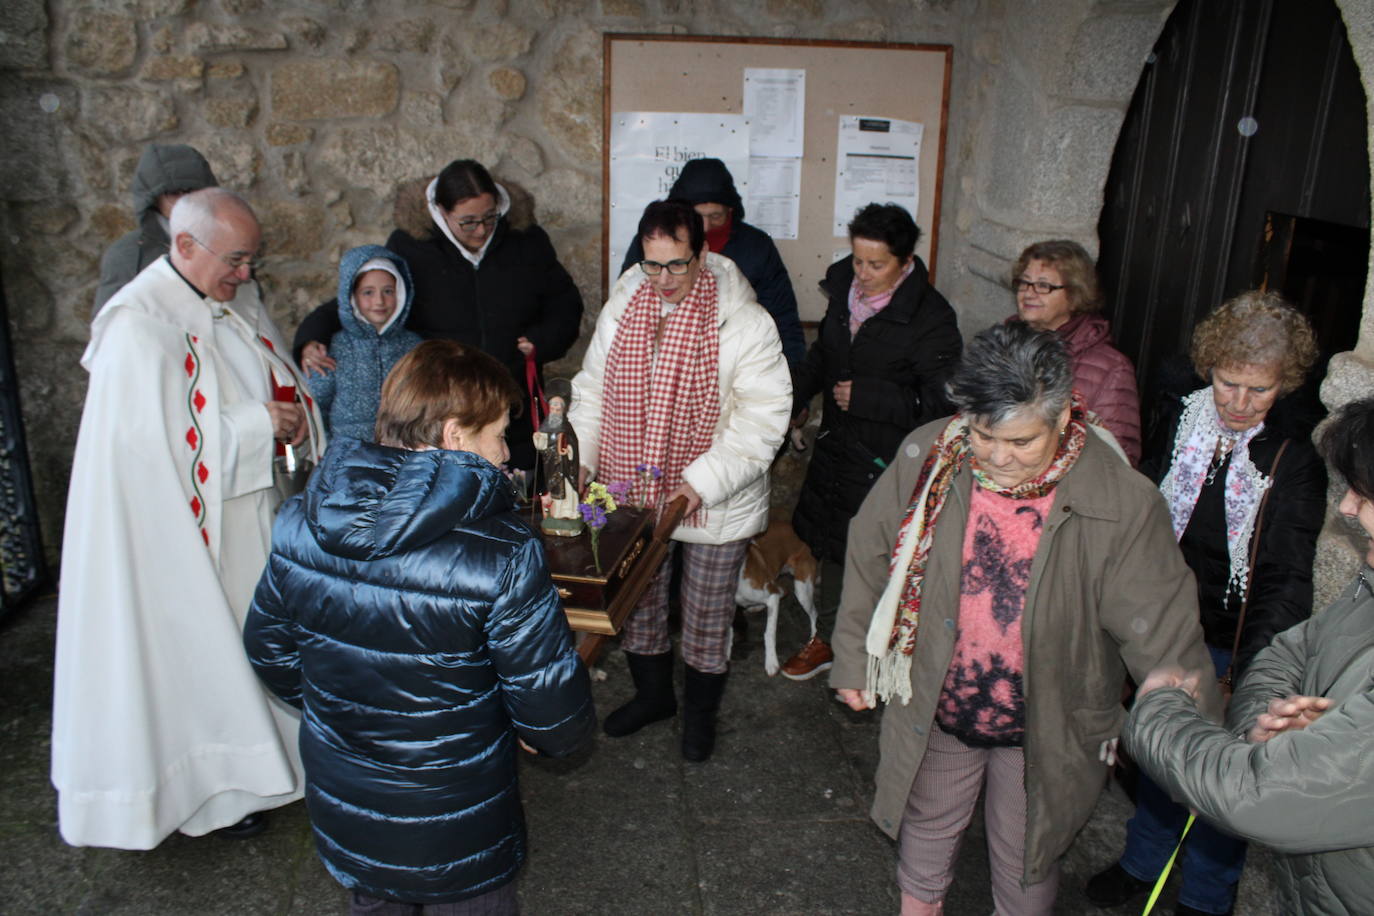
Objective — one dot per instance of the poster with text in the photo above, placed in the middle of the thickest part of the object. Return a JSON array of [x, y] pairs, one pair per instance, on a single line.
[[775, 105], [648, 150], [876, 162]]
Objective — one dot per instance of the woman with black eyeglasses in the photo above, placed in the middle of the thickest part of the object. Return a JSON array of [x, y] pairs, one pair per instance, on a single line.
[[1056, 290], [883, 352], [480, 280]]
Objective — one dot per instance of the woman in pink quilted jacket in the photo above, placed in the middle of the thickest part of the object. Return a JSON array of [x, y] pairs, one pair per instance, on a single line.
[[1056, 290]]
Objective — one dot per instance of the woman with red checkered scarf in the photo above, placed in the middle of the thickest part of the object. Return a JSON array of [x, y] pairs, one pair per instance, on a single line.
[[685, 375]]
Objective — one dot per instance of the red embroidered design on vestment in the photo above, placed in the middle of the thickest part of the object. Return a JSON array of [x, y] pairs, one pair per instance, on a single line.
[[195, 438]]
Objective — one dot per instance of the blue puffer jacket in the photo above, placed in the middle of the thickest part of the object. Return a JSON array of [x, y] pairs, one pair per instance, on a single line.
[[349, 396], [408, 611]]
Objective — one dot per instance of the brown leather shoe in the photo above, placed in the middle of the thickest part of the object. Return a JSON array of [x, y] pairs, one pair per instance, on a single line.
[[813, 658]]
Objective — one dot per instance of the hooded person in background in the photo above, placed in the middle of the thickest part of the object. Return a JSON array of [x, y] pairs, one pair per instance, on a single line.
[[375, 293], [709, 187], [164, 174]]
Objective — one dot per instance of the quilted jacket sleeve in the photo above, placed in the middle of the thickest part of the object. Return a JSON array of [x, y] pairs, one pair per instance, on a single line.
[[775, 295], [1300, 792], [1107, 380], [544, 685], [269, 637], [756, 409]]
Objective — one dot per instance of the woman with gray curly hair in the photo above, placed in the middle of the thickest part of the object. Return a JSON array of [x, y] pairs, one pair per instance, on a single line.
[[1246, 492], [1040, 570]]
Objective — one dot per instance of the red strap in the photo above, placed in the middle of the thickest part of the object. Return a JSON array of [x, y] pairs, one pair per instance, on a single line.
[[539, 408]]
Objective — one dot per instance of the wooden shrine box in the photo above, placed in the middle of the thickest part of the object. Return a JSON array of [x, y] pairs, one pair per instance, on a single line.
[[599, 602]]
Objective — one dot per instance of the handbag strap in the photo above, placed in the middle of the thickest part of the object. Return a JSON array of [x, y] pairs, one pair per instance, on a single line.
[[1254, 555], [539, 407]]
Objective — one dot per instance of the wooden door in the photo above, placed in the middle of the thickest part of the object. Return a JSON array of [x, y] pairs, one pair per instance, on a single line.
[[1244, 147]]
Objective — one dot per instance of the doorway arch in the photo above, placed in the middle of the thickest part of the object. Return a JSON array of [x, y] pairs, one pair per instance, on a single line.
[[1242, 163]]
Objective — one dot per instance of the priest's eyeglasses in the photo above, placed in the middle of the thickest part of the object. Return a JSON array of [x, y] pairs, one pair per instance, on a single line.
[[1043, 287], [234, 262], [676, 267]]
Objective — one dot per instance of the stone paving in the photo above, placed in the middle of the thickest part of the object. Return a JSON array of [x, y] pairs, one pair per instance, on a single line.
[[775, 823]]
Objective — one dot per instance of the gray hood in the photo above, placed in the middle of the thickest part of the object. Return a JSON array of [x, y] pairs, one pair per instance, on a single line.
[[164, 169]]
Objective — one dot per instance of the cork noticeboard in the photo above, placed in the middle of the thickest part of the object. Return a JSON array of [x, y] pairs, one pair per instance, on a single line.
[[677, 73]]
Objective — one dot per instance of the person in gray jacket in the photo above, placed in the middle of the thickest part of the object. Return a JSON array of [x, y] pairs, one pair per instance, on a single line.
[[165, 172], [1294, 766]]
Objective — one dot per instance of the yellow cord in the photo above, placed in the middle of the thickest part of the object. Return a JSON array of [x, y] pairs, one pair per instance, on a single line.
[[1164, 875]]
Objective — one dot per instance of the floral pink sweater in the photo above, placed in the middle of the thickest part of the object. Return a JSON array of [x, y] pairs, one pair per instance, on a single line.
[[982, 702]]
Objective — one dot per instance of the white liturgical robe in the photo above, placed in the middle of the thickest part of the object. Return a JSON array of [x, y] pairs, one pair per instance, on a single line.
[[159, 723]]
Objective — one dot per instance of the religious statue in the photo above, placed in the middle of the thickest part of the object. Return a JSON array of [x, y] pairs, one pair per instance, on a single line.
[[558, 454]]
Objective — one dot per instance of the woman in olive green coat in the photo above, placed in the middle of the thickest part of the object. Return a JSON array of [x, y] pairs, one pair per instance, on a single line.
[[1093, 587]]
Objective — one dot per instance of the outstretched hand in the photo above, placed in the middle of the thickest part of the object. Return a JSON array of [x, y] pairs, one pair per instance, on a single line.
[[1170, 677], [1285, 715]]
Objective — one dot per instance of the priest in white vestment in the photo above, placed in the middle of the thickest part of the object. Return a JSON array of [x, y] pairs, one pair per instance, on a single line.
[[159, 723]]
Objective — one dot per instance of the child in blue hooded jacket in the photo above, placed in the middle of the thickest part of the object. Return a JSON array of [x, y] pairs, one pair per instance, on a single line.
[[375, 293]]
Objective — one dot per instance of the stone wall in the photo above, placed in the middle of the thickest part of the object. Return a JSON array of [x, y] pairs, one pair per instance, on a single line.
[[319, 109]]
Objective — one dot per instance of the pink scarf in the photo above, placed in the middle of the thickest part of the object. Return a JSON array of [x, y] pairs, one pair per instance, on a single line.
[[862, 308]]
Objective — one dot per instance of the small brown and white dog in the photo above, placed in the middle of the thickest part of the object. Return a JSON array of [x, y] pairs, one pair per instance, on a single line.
[[775, 552]]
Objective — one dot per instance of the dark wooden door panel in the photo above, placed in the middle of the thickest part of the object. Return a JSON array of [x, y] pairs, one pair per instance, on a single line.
[[1245, 108]]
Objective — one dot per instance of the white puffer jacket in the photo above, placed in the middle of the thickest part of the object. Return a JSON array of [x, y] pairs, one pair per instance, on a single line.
[[755, 404]]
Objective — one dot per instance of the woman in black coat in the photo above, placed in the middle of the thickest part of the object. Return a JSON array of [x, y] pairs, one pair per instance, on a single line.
[[884, 351], [479, 281]]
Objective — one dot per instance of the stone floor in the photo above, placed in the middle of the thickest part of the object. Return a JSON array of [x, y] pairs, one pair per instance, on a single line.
[[774, 823]]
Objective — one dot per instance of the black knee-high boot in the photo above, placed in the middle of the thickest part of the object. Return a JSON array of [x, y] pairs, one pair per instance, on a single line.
[[653, 700], [700, 700]]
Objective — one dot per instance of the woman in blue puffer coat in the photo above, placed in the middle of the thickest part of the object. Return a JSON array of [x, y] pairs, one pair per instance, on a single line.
[[409, 613]]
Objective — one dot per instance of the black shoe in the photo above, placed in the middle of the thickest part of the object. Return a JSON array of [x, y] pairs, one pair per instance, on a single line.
[[700, 701], [250, 826], [653, 701], [1114, 887], [1182, 910]]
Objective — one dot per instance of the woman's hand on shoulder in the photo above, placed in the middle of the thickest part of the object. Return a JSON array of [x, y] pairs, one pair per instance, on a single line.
[[1287, 714], [315, 359]]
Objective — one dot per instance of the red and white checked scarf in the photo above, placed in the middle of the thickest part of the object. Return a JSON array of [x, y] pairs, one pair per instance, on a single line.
[[662, 411]]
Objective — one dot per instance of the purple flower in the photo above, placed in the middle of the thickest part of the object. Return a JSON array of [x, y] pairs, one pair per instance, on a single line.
[[594, 516], [620, 489], [650, 470]]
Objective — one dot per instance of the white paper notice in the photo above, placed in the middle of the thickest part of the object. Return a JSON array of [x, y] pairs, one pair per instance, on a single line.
[[774, 197], [775, 106], [648, 151], [876, 163]]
